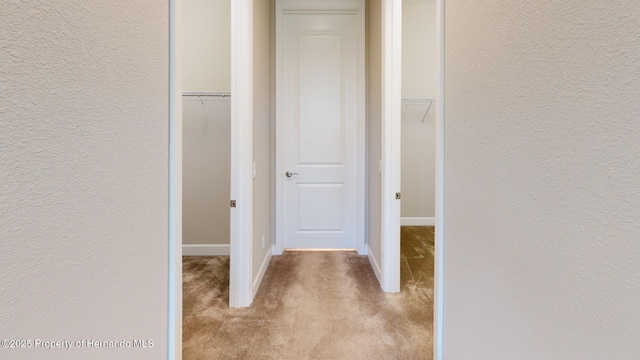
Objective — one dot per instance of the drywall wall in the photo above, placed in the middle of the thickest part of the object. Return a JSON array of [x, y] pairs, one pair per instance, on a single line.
[[262, 153], [206, 180], [206, 127], [418, 136], [419, 71], [418, 164], [374, 129], [206, 45], [542, 171], [84, 128]]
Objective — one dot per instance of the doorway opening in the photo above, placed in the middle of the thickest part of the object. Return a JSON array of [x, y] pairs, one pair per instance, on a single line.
[[243, 38], [206, 126], [418, 147]]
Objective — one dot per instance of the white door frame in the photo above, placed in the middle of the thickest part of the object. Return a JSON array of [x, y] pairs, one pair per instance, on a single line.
[[391, 144], [243, 12], [241, 249], [438, 296], [174, 297], [356, 6]]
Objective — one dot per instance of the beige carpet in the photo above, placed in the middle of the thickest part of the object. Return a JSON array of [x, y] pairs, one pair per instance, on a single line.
[[313, 305]]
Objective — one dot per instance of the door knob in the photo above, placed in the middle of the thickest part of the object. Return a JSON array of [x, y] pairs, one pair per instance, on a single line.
[[290, 174]]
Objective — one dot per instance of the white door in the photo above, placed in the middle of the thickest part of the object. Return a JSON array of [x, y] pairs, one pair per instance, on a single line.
[[320, 109]]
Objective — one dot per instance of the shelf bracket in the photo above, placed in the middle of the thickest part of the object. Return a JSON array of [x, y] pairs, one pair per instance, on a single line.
[[426, 112]]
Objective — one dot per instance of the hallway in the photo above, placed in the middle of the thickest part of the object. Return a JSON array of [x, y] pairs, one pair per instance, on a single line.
[[313, 305]]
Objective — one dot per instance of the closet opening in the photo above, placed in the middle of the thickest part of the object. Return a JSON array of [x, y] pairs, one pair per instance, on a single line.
[[418, 147], [206, 150]]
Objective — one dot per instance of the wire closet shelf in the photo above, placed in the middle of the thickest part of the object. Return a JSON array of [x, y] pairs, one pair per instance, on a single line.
[[427, 102], [206, 95]]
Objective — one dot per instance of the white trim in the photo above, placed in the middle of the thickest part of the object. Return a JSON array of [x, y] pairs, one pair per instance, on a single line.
[[263, 269], [417, 221], [279, 168], [272, 129], [391, 143], [374, 264], [438, 306], [205, 249], [174, 299], [357, 6], [240, 286], [361, 183]]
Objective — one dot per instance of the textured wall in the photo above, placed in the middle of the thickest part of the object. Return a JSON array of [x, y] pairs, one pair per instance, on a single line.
[[418, 81], [262, 67], [206, 167], [83, 175], [206, 45], [542, 172]]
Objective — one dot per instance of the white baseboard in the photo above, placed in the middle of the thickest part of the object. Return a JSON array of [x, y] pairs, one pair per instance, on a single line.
[[417, 221], [205, 249], [263, 269], [374, 265]]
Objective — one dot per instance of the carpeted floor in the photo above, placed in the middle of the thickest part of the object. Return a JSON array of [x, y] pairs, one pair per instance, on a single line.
[[313, 305]]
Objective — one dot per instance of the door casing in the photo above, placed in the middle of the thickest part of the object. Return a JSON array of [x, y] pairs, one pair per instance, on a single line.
[[302, 6]]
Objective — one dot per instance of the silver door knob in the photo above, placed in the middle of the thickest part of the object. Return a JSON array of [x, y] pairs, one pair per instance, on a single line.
[[290, 174]]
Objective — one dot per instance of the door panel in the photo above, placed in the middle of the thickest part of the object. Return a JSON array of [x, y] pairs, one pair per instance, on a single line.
[[326, 214], [320, 119]]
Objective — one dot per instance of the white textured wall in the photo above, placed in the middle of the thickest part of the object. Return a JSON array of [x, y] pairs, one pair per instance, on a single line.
[[418, 81], [84, 175], [542, 179], [206, 167], [206, 45], [262, 66], [374, 126]]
